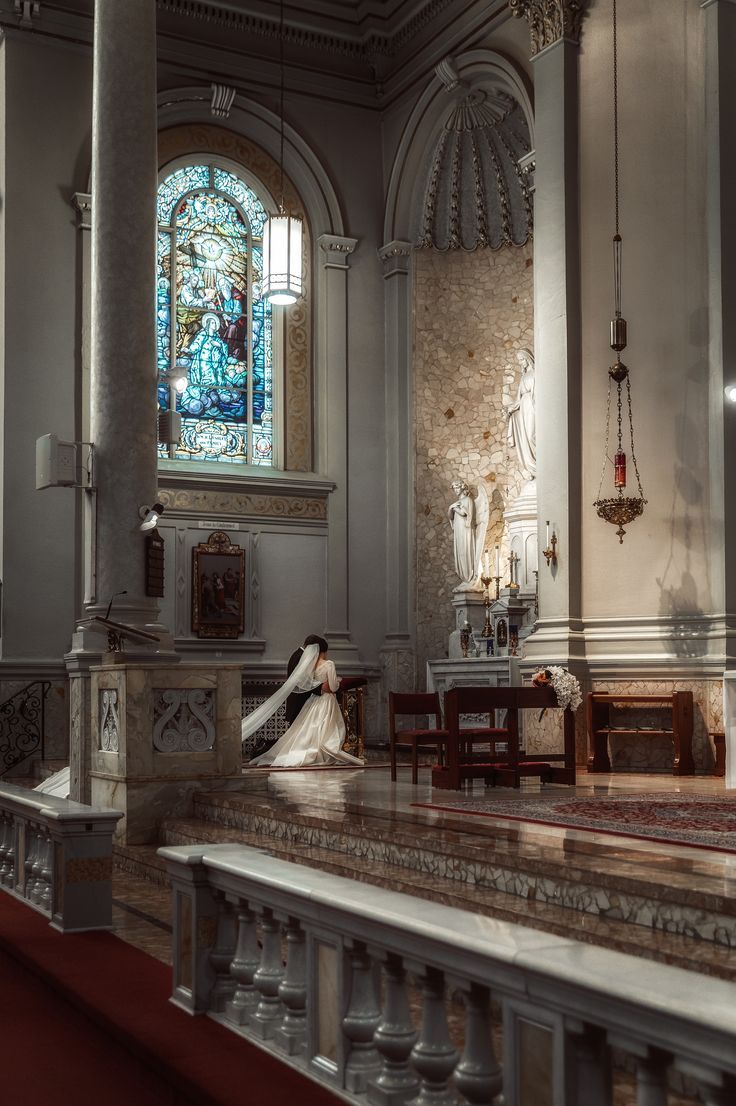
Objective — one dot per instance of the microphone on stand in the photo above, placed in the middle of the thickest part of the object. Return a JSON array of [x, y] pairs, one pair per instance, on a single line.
[[112, 597]]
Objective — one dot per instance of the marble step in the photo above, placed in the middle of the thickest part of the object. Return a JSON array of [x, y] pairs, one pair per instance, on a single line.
[[631, 885], [670, 948], [142, 862]]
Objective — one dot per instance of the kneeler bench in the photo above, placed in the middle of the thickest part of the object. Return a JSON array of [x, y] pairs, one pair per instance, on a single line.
[[462, 765], [680, 706], [351, 700]]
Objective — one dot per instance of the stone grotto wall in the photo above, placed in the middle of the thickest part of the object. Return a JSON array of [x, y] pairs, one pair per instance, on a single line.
[[472, 311]]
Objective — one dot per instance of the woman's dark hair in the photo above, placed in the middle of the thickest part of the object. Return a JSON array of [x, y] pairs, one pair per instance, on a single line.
[[315, 639]]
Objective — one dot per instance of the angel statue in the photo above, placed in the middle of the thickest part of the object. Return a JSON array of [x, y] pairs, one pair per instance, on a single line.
[[468, 517]]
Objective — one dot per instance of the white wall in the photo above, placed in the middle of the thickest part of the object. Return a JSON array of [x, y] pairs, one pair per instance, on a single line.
[[662, 567], [47, 105]]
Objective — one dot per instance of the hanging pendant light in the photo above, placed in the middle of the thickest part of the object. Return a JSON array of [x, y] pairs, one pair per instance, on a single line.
[[618, 509], [282, 234]]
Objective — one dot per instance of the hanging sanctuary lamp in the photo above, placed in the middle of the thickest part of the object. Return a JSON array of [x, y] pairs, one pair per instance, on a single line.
[[619, 509], [282, 233]]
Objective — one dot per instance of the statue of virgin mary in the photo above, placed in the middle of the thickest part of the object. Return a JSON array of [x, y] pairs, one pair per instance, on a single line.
[[522, 423]]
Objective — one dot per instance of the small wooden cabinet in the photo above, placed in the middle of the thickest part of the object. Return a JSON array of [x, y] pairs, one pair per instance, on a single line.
[[679, 726]]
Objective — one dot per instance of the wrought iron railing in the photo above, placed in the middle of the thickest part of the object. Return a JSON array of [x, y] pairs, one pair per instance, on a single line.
[[22, 724]]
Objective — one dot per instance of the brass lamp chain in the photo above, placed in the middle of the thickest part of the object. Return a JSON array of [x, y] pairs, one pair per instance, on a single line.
[[619, 508], [631, 435]]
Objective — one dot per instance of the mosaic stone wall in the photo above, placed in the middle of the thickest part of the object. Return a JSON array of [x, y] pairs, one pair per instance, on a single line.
[[471, 312], [645, 753]]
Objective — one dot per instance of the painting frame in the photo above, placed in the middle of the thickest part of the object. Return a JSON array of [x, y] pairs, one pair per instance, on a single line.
[[218, 588]]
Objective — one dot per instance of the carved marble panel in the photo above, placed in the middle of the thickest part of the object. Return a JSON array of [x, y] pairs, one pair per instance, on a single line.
[[183, 719], [109, 721]]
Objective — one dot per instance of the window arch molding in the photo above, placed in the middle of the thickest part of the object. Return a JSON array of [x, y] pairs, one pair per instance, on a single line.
[[190, 144]]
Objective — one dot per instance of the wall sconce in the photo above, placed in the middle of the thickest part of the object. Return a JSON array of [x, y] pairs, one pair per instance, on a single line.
[[730, 391], [550, 553], [150, 515]]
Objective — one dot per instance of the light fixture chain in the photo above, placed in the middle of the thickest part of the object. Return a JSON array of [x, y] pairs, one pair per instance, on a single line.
[[615, 115], [605, 447], [631, 435], [620, 431], [281, 112]]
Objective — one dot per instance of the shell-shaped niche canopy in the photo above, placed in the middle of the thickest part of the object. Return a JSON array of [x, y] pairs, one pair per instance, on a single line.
[[476, 192]]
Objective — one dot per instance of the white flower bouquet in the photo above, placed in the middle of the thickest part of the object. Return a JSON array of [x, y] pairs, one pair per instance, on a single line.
[[564, 684]]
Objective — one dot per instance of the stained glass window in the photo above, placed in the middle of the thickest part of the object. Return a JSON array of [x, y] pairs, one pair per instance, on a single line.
[[214, 331]]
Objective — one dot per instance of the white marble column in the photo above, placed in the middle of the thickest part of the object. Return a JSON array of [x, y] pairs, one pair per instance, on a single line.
[[720, 78], [555, 32], [397, 651], [123, 341], [121, 347], [333, 436]]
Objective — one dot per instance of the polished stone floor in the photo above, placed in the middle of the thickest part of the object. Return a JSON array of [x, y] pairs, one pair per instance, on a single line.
[[367, 805]]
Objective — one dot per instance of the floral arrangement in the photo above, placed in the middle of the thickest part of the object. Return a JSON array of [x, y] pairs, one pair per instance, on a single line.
[[565, 685]]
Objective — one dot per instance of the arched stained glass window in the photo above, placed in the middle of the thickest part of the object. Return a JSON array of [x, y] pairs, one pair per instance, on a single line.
[[215, 353]]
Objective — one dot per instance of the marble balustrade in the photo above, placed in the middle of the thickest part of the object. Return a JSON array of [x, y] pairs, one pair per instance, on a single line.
[[56, 855], [318, 969]]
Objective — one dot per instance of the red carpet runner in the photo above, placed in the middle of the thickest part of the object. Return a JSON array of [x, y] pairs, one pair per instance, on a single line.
[[123, 1043]]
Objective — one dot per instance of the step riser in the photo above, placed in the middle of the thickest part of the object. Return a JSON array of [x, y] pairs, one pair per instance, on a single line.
[[618, 905]]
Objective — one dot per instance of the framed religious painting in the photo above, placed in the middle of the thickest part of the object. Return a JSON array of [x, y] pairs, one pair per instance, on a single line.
[[218, 588]]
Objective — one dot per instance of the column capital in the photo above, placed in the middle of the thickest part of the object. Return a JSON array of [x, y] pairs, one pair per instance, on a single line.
[[550, 20], [82, 204], [395, 257], [337, 248]]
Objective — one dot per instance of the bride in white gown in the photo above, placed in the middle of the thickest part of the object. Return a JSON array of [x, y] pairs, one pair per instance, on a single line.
[[317, 734]]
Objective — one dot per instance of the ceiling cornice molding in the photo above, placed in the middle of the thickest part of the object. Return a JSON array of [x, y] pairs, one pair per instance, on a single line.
[[365, 45]]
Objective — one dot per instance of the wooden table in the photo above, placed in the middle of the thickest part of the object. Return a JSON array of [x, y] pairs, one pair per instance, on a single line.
[[678, 703], [509, 768]]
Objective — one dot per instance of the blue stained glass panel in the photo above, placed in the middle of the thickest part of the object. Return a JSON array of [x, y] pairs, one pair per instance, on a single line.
[[163, 303], [209, 291], [176, 185], [246, 197]]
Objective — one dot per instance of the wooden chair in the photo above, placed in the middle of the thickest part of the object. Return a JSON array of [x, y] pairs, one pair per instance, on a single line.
[[549, 767], [428, 740]]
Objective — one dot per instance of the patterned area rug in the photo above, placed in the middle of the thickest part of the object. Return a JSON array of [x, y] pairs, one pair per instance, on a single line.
[[703, 821]]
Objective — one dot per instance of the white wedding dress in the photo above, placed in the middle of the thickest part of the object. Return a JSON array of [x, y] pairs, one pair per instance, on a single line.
[[317, 733]]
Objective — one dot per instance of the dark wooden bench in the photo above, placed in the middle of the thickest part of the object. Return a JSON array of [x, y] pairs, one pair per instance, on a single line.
[[680, 729]]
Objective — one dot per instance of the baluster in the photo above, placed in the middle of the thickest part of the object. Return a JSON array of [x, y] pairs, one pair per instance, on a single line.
[[291, 1036], [47, 847], [243, 967], [478, 1075], [589, 1063], [268, 1014], [716, 1088], [360, 1021], [30, 861], [10, 853], [221, 954], [651, 1068], [433, 1055], [4, 850], [394, 1038]]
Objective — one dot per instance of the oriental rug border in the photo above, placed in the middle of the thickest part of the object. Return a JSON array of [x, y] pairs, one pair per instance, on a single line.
[[693, 821]]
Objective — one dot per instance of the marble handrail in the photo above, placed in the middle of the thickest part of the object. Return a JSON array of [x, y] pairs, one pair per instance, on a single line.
[[339, 1005], [56, 855]]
